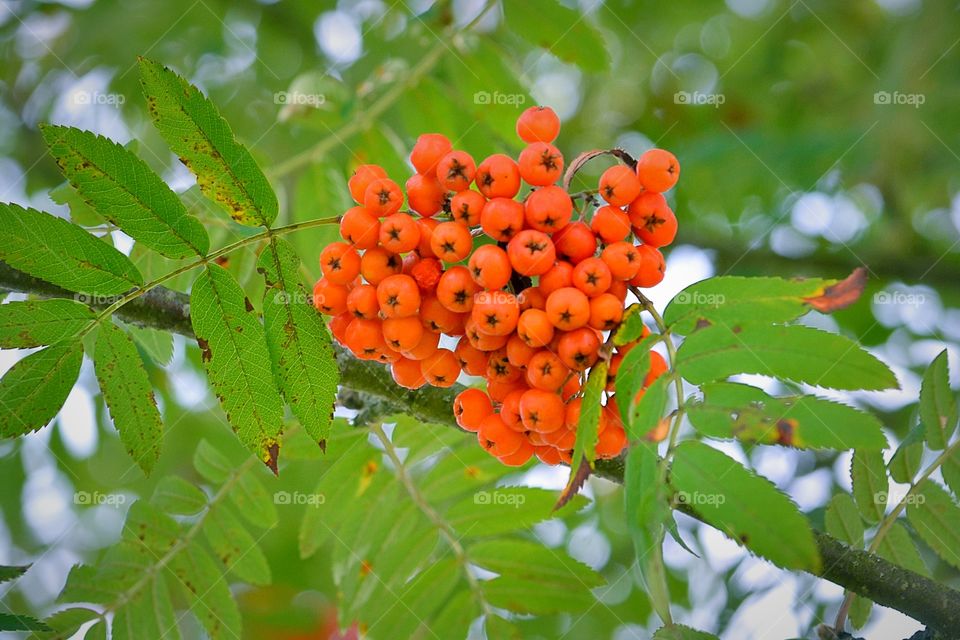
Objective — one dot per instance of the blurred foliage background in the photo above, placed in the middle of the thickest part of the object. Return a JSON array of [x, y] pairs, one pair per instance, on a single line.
[[815, 136]]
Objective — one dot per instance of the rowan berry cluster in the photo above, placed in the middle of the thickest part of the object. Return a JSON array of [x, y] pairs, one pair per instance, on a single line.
[[528, 293]]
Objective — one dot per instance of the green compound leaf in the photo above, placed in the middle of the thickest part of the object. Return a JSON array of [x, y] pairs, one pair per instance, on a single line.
[[870, 484], [898, 547], [560, 30], [744, 506], [35, 323], [204, 142], [53, 249], [936, 519], [299, 343], [129, 395], [938, 404], [34, 389], [792, 352], [234, 351], [843, 520], [735, 410], [680, 632], [125, 191]]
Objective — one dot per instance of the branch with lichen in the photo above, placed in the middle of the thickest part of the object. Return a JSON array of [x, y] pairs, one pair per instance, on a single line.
[[367, 387]]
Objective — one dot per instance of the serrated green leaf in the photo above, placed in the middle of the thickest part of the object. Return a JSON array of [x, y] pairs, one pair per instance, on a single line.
[[733, 300], [630, 376], [206, 592], [234, 353], [631, 326], [504, 509], [736, 410], [680, 632], [35, 388], [646, 413], [792, 352], [905, 462], [129, 395], [97, 631], [253, 501], [204, 142], [527, 596], [898, 547], [417, 600], [80, 212], [588, 425], [210, 463], [15, 622], [173, 494], [938, 404], [951, 472], [8, 572], [64, 624], [125, 191], [936, 519], [157, 344], [860, 608], [560, 30], [53, 249], [843, 520], [744, 506], [531, 561], [235, 547], [35, 323], [497, 627], [299, 343], [148, 614], [870, 484]]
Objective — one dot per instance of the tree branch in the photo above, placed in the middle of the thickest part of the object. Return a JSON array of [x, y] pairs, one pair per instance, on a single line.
[[369, 388]]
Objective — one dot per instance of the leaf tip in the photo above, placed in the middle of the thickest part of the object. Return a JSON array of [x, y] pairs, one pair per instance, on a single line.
[[841, 294]]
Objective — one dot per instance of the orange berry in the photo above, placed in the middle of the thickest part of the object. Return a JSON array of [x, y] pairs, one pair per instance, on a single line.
[[575, 242], [658, 366], [465, 207], [606, 311], [548, 209], [499, 367], [399, 296], [340, 263], [481, 340], [498, 391], [441, 368], [531, 252], [495, 312], [339, 324], [519, 457], [497, 438], [531, 298], [518, 351], [645, 205], [619, 289], [329, 298], [425, 194], [490, 267], [451, 241], [652, 267], [437, 318], [360, 228], [399, 233], [362, 302], [427, 345], [547, 455], [472, 360], [570, 388], [456, 170], [428, 150], [361, 179], [558, 277], [538, 124], [568, 308], [540, 164], [546, 371], [623, 260], [610, 223], [578, 349], [456, 289], [501, 218], [657, 227], [562, 438], [619, 185], [365, 338], [403, 334], [658, 170], [383, 197], [470, 407], [498, 177], [427, 273], [534, 328], [378, 263], [611, 442], [407, 373], [541, 411], [592, 276], [426, 226]]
